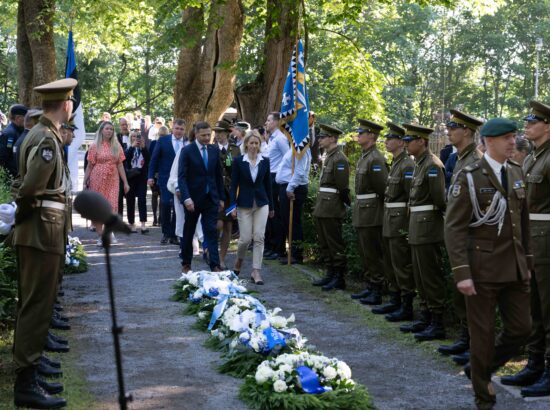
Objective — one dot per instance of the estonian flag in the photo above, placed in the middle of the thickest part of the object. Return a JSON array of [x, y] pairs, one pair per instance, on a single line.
[[295, 103], [79, 132]]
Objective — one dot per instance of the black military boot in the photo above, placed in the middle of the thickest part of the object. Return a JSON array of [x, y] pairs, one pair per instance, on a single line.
[[375, 297], [541, 387], [393, 305], [58, 339], [462, 358], [405, 311], [418, 325], [529, 374], [59, 324], [50, 362], [51, 388], [59, 316], [52, 346], [46, 370], [436, 330], [337, 282], [27, 392], [459, 346], [326, 280], [362, 294]]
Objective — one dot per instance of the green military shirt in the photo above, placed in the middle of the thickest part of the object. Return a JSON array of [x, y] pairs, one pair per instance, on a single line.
[[396, 217], [427, 190], [370, 183], [44, 176], [537, 174], [334, 179], [482, 253]]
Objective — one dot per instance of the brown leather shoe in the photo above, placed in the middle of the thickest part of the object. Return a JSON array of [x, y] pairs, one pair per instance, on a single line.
[[185, 268]]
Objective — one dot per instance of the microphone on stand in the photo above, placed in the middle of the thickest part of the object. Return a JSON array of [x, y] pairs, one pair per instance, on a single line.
[[93, 206]]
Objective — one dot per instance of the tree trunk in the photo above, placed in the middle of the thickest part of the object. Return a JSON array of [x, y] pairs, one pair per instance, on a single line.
[[35, 48], [206, 67], [255, 100]]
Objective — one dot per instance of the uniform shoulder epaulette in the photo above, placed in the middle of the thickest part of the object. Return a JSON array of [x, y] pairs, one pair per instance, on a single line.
[[512, 162], [471, 167]]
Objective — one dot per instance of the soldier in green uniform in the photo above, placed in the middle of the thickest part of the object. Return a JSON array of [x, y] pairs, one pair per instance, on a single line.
[[487, 223], [370, 183], [426, 207], [461, 128], [228, 151], [536, 375], [40, 233], [330, 209], [396, 225]]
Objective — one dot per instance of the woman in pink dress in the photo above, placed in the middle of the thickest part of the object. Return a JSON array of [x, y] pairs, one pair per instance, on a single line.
[[105, 168]]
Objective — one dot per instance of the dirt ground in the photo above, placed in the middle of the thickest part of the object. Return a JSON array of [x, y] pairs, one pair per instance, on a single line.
[[166, 366]]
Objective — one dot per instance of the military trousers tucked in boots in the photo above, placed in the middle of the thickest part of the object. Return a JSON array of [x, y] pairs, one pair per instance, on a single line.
[[397, 252], [539, 340], [331, 243], [370, 250], [512, 299], [428, 276], [38, 281]]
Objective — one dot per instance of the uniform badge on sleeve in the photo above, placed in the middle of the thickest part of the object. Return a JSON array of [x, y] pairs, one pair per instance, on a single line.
[[376, 168], [408, 174], [46, 154], [432, 172], [455, 191], [340, 167]]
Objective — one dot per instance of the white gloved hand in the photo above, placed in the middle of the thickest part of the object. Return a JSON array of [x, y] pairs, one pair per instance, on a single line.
[[4, 228], [7, 213]]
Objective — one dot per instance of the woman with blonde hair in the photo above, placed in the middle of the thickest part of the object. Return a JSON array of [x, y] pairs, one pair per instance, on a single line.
[[251, 193], [105, 167]]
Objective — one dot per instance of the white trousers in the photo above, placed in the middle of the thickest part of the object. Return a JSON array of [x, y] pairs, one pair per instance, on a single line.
[[252, 223]]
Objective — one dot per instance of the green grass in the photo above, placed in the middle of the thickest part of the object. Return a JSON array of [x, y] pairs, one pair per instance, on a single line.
[[76, 393]]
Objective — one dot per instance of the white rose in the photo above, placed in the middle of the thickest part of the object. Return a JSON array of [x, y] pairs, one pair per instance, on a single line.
[[244, 336], [76, 263], [202, 315], [278, 322], [221, 336], [279, 386], [263, 374], [329, 372], [285, 368], [344, 371], [291, 318]]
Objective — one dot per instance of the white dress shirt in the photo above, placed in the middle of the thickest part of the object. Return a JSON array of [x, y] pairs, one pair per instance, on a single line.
[[301, 171], [278, 147], [253, 168], [177, 144], [495, 166]]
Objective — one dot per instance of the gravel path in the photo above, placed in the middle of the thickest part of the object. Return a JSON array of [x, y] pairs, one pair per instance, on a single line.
[[166, 366]]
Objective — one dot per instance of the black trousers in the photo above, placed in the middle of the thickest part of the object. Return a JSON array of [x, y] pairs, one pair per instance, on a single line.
[[209, 213], [138, 188], [275, 234], [168, 220], [300, 193]]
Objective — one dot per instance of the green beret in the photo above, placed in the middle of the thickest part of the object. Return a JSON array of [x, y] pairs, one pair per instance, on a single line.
[[539, 112], [394, 130], [497, 127], [368, 126], [414, 131], [329, 131], [462, 120]]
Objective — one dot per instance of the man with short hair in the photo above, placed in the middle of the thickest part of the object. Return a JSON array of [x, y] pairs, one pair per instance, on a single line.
[[9, 137], [31, 119], [330, 210], [161, 162], [42, 221], [535, 377], [370, 183], [200, 183], [461, 131], [426, 207], [278, 146], [487, 223]]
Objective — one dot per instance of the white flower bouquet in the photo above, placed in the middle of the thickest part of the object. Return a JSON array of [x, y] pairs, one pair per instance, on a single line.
[[75, 256]]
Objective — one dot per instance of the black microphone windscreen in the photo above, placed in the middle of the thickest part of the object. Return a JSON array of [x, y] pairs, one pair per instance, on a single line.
[[92, 205]]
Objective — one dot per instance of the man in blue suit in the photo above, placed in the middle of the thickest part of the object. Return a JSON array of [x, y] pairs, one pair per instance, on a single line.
[[201, 191], [161, 162]]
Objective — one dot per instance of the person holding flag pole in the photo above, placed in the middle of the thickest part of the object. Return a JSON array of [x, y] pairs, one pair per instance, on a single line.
[[292, 175]]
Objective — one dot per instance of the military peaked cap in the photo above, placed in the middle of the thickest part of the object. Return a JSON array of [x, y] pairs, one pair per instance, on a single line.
[[394, 131], [497, 127], [368, 126], [539, 112], [59, 90], [414, 132], [222, 125], [462, 120], [329, 131], [18, 109]]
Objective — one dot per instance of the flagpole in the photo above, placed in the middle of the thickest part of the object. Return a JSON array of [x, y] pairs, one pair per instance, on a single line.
[[291, 217]]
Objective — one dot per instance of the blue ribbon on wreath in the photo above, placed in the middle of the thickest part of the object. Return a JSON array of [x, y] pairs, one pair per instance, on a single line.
[[310, 381]]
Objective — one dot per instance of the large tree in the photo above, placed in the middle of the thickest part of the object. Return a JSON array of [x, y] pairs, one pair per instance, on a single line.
[[35, 47], [206, 67]]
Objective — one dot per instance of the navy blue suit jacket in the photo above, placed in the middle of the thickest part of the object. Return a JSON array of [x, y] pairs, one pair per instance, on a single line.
[[161, 162], [194, 177], [250, 191]]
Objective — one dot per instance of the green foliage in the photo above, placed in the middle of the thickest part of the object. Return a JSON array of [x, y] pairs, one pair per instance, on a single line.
[[8, 285], [261, 397], [82, 258]]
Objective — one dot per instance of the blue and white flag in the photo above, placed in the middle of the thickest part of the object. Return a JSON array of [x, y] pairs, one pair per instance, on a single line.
[[79, 132], [295, 103]]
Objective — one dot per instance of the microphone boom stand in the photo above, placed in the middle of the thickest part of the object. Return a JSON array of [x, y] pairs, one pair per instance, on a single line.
[[116, 330]]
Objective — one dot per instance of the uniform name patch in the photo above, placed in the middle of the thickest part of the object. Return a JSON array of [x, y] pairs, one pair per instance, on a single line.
[[432, 172], [376, 168], [487, 190], [455, 192], [408, 175], [46, 154]]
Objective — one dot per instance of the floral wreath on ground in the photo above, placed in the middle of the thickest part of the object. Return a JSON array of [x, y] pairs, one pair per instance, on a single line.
[[265, 348], [75, 256]]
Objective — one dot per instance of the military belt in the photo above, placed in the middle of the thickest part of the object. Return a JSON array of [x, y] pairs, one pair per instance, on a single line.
[[50, 204], [395, 205], [332, 190], [421, 208], [366, 196], [539, 217]]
